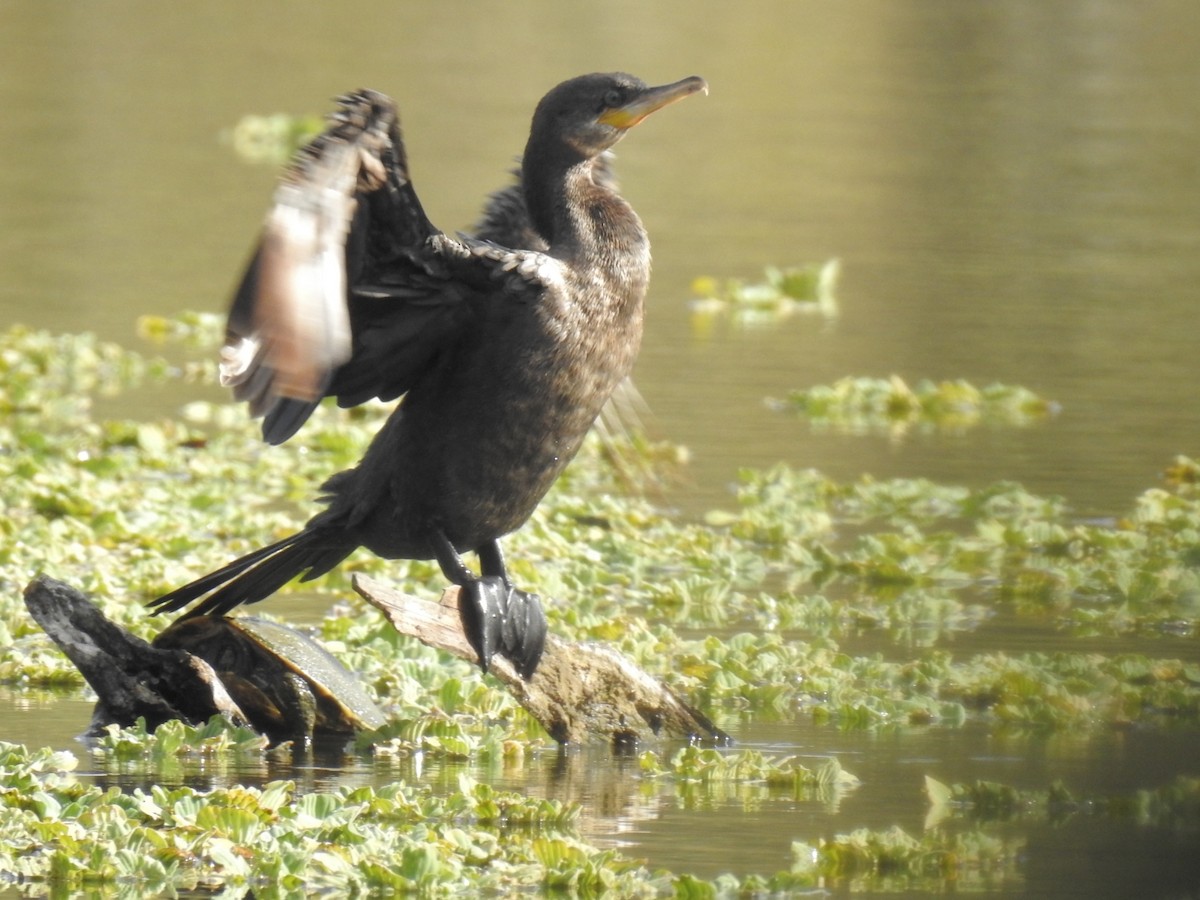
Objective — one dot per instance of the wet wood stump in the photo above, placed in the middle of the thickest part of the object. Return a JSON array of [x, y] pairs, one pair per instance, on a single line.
[[131, 678]]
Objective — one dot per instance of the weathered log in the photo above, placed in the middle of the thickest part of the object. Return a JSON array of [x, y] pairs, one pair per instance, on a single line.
[[131, 678], [579, 692]]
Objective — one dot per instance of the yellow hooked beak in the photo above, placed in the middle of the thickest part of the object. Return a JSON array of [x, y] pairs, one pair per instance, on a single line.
[[651, 100]]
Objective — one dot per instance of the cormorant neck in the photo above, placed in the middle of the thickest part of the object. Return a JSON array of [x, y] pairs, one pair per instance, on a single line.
[[577, 217]]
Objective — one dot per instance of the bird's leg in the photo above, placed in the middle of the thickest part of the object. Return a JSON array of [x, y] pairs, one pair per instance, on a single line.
[[491, 561], [451, 563], [480, 600], [496, 617]]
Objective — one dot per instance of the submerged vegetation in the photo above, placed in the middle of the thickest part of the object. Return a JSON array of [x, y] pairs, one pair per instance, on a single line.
[[1174, 805], [756, 612]]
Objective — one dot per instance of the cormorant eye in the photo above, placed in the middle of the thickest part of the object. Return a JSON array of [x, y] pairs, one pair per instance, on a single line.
[[613, 98]]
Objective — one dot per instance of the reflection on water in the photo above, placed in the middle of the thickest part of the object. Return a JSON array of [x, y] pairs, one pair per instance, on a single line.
[[1011, 188], [38, 718], [746, 828]]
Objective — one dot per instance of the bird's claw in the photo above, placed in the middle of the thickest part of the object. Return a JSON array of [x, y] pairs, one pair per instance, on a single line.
[[498, 618]]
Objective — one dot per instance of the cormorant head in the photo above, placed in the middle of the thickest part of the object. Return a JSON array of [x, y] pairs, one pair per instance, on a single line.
[[592, 112]]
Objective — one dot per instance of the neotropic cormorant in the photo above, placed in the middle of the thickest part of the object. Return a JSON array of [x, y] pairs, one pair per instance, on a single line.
[[504, 354]]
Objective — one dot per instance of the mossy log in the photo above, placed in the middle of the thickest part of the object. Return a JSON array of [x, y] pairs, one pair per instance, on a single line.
[[580, 692]]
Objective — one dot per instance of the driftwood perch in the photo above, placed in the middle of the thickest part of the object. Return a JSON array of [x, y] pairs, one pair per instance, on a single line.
[[579, 692], [131, 678]]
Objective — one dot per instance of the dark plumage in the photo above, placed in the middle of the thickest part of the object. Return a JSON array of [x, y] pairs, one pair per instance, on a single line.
[[505, 220], [504, 354]]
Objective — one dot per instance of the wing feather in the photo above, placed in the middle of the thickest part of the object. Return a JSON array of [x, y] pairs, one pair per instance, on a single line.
[[352, 292], [343, 205]]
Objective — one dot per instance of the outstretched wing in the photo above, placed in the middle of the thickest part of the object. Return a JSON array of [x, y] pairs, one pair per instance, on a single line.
[[344, 221]]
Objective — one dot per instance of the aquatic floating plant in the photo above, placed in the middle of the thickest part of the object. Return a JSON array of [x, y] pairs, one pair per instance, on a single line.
[[749, 612], [890, 405], [781, 293], [272, 138]]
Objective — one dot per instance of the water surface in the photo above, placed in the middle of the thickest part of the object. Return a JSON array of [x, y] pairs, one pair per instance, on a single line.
[[1011, 187]]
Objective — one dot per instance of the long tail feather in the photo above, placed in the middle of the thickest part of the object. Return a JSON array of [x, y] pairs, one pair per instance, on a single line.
[[257, 575]]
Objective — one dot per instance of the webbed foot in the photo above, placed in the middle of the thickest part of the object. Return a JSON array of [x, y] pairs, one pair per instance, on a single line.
[[498, 618]]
